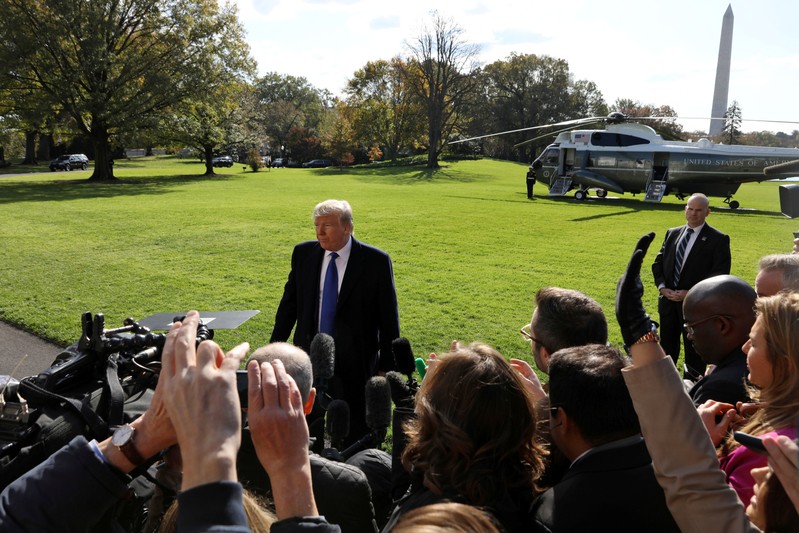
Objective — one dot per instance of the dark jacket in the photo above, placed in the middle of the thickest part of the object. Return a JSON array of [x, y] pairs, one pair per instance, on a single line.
[[609, 489], [709, 256], [366, 322], [341, 491], [725, 383], [73, 488]]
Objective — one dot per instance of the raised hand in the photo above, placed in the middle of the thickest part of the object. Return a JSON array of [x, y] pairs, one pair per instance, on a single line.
[[630, 313]]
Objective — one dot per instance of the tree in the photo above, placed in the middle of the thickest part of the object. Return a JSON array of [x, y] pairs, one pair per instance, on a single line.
[[337, 135], [732, 123], [287, 102], [382, 109], [111, 64], [526, 90], [666, 127], [440, 72]]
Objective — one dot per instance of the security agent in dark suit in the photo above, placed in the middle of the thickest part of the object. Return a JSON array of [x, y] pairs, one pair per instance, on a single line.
[[611, 484], [365, 319], [689, 254]]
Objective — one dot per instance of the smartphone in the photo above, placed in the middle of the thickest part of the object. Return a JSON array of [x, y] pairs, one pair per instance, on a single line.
[[750, 441], [241, 385]]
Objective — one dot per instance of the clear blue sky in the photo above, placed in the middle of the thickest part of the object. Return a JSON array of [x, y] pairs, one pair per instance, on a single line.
[[657, 52]]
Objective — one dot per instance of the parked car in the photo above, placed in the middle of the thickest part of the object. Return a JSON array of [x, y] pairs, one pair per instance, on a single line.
[[222, 161], [317, 163], [69, 162], [279, 162]]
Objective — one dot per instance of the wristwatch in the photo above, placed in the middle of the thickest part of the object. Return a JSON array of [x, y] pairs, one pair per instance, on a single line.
[[649, 336], [123, 439]]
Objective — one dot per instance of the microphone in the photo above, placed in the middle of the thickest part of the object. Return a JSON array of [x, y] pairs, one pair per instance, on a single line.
[[421, 367], [378, 404], [403, 356], [402, 394], [337, 424], [378, 416], [323, 363]]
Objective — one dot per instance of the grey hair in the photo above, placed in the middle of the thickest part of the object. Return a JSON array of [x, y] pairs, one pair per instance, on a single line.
[[296, 362], [341, 208], [787, 263]]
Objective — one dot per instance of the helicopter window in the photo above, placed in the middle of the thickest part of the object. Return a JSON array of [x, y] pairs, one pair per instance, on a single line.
[[603, 138], [551, 157]]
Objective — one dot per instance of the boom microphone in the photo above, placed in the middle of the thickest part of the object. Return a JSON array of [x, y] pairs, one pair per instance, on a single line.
[[403, 356], [378, 404], [337, 422], [402, 393], [378, 416], [323, 363]]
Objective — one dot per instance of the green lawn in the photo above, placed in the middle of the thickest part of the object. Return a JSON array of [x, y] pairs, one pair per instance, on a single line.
[[469, 249]]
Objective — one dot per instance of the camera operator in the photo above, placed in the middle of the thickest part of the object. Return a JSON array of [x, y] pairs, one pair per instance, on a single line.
[[196, 405]]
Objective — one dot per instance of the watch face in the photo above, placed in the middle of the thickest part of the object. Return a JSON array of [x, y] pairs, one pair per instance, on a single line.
[[122, 435]]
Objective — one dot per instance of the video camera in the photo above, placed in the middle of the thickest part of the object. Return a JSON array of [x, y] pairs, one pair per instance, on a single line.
[[95, 377]]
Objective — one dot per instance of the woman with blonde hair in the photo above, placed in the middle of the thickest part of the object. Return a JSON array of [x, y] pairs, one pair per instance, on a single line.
[[473, 438], [772, 356]]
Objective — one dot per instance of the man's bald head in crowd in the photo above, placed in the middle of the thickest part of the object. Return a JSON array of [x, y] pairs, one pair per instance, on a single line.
[[295, 361], [719, 313]]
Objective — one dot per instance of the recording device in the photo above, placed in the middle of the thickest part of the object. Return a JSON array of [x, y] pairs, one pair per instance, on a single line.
[[750, 441], [337, 423], [117, 362], [421, 367], [378, 416], [796, 234], [406, 365], [323, 364], [241, 387]]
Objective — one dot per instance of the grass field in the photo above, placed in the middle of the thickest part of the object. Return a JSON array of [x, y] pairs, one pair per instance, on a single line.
[[469, 249]]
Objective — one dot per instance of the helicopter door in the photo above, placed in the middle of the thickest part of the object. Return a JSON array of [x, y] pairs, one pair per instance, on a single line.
[[569, 161], [660, 166], [656, 185]]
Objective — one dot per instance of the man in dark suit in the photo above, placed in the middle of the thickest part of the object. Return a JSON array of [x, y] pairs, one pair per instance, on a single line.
[[363, 317], [611, 484], [689, 254], [719, 313]]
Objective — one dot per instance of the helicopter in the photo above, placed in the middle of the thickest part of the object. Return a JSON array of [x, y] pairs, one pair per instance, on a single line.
[[631, 157]]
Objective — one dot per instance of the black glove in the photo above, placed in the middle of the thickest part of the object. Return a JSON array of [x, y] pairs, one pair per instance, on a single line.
[[630, 312]]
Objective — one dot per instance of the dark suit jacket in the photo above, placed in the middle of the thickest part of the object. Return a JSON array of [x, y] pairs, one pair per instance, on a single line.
[[725, 383], [608, 490], [710, 256], [367, 318]]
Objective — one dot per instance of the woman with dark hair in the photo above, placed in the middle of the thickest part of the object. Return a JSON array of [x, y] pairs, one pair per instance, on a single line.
[[473, 438]]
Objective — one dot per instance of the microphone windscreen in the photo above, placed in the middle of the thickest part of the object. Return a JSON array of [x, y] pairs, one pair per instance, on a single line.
[[398, 385], [403, 355], [378, 403], [323, 358], [421, 367], [337, 423]]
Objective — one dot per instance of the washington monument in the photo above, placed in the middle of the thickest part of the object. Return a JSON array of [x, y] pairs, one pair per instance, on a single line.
[[722, 88]]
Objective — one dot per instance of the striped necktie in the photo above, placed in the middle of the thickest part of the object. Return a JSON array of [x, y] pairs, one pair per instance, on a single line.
[[678, 259]]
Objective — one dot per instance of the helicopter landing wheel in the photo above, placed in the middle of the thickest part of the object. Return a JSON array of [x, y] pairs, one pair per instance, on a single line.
[[601, 193], [734, 204], [580, 195]]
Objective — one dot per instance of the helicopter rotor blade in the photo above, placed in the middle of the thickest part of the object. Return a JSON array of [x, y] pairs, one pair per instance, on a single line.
[[576, 122], [544, 136]]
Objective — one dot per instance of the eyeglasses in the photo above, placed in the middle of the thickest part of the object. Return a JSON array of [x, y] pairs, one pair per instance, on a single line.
[[689, 328], [526, 332]]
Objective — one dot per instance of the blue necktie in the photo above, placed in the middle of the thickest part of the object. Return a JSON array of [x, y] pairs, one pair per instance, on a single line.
[[678, 259], [329, 297]]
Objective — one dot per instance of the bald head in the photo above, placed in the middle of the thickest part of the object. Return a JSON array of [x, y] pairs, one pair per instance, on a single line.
[[731, 300], [294, 359]]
